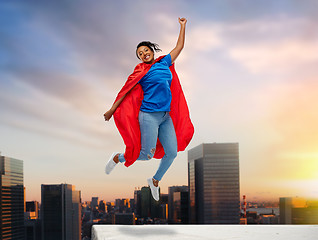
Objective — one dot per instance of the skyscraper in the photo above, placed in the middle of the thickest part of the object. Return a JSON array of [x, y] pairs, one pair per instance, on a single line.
[[149, 206], [181, 207], [182, 195], [11, 199], [214, 190], [137, 198], [60, 212]]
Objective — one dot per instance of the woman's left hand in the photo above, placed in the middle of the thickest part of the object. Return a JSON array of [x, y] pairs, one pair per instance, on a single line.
[[108, 114], [182, 21]]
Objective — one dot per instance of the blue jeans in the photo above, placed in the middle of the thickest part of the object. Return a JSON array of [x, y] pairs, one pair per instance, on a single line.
[[155, 125]]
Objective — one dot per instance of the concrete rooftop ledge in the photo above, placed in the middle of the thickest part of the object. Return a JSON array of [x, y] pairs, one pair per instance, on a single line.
[[213, 232]]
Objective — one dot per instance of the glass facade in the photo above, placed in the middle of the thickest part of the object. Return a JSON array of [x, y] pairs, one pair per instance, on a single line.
[[191, 180], [180, 212], [137, 198], [60, 212], [214, 184], [51, 211], [11, 199], [149, 206], [171, 200]]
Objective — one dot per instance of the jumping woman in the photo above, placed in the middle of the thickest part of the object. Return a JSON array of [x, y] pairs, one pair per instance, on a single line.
[[151, 112]]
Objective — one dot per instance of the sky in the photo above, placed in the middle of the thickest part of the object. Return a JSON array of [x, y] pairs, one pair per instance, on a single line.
[[248, 71]]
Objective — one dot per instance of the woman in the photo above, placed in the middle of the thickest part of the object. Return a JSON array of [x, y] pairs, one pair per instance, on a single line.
[[151, 106]]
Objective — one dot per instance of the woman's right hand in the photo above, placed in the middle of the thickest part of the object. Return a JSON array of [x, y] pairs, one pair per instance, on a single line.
[[108, 114]]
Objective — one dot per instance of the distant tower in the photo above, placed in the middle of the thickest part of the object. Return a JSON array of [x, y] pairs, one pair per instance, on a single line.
[[214, 185], [11, 199], [244, 208], [94, 202], [60, 212], [243, 220], [32, 207]]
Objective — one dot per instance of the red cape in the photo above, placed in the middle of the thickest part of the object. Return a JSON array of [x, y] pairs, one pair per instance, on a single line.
[[126, 114]]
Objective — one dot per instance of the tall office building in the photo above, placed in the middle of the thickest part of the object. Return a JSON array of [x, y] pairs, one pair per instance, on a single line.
[[164, 206], [132, 204], [214, 189], [32, 222], [76, 214], [149, 206], [181, 199], [60, 212], [137, 198], [181, 207], [11, 199]]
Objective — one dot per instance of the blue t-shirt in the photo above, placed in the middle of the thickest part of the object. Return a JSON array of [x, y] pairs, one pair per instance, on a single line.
[[156, 86]]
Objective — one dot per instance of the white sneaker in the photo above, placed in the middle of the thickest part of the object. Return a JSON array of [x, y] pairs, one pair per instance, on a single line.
[[111, 163], [154, 189]]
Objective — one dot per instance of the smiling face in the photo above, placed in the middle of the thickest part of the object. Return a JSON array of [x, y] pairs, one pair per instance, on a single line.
[[145, 54]]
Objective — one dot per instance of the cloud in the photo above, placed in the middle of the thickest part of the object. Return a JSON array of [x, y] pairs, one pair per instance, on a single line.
[[35, 112], [65, 52], [277, 45], [281, 56], [78, 53], [204, 37]]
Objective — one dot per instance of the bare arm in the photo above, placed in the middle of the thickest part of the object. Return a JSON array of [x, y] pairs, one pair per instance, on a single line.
[[110, 112], [180, 43]]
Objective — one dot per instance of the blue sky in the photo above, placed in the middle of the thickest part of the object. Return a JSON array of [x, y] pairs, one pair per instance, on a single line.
[[248, 71]]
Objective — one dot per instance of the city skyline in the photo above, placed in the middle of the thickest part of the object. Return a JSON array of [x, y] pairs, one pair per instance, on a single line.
[[248, 72], [96, 196]]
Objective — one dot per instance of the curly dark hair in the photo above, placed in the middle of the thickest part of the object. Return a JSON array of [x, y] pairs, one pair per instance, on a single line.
[[153, 46]]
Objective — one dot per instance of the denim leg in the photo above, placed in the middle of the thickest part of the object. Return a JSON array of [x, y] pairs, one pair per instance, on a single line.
[[149, 124], [168, 139], [121, 158]]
